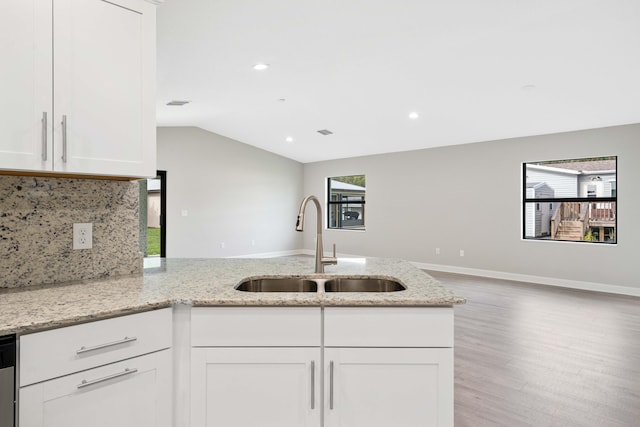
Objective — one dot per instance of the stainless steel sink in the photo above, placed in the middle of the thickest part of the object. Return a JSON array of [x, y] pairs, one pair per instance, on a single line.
[[278, 284], [345, 284]]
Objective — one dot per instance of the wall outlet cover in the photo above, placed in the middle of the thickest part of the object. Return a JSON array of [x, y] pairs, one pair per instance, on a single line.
[[83, 235]]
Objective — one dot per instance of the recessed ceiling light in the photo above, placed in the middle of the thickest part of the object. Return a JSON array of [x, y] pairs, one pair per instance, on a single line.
[[413, 115], [260, 66], [177, 103], [289, 139]]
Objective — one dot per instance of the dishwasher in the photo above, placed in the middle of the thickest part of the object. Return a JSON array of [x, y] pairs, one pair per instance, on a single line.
[[7, 381]]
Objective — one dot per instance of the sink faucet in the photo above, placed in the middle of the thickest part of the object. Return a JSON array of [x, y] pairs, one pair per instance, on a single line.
[[321, 260]]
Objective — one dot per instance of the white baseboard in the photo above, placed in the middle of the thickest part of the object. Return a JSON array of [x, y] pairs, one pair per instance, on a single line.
[[549, 281], [272, 254]]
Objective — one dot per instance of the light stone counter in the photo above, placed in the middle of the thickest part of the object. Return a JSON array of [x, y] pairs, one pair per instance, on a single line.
[[208, 282]]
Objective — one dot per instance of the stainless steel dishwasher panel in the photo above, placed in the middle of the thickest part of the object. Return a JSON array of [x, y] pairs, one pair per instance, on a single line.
[[7, 381]]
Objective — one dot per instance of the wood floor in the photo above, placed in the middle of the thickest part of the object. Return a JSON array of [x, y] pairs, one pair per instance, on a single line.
[[534, 355]]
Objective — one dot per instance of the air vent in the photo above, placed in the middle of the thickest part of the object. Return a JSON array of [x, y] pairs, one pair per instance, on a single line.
[[325, 132], [177, 103]]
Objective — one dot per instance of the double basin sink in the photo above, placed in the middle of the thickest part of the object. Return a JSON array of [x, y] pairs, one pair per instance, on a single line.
[[335, 284]]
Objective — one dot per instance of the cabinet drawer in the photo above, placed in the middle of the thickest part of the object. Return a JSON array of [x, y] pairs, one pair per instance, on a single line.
[[388, 327], [51, 354], [134, 392], [255, 327]]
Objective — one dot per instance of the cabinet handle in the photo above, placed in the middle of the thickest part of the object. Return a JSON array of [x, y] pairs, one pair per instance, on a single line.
[[44, 136], [125, 340], [86, 383], [331, 385], [313, 384], [64, 138]]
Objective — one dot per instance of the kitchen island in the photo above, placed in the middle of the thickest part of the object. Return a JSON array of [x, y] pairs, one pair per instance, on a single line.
[[180, 346], [209, 282]]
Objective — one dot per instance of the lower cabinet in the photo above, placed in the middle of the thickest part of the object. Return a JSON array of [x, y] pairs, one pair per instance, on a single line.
[[371, 387], [339, 367], [130, 393], [266, 387]]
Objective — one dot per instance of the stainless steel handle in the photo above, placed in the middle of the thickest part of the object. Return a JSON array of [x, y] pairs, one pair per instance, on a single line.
[[86, 383], [313, 384], [64, 138], [125, 340], [331, 385], [44, 136]]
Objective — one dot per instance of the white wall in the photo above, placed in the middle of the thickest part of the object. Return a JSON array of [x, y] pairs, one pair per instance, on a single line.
[[436, 198], [233, 193]]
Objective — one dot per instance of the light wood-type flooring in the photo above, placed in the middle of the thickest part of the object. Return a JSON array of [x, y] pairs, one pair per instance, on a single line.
[[535, 355]]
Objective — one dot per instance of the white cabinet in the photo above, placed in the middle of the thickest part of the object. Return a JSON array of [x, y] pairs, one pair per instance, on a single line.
[[256, 367], [380, 367], [25, 83], [78, 84], [131, 393], [388, 366], [114, 372], [266, 387], [381, 387]]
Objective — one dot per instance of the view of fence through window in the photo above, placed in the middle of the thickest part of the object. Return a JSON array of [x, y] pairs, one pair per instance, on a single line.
[[345, 206], [571, 200]]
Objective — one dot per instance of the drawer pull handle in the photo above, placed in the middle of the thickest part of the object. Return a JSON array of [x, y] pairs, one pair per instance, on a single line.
[[125, 340], [86, 383]]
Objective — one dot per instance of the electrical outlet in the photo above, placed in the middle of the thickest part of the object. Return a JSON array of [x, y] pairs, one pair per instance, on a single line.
[[461, 252], [437, 251], [83, 235], [221, 245]]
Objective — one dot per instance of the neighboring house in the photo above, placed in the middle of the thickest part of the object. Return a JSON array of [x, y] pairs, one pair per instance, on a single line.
[[538, 216], [571, 220]]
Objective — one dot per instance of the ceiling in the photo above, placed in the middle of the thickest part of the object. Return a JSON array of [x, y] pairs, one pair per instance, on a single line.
[[473, 71]]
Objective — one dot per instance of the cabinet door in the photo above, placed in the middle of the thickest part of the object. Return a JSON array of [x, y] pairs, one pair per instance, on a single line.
[[25, 84], [371, 387], [104, 82], [266, 387], [132, 393]]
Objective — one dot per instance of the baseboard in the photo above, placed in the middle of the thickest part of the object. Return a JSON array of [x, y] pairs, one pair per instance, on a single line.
[[272, 254], [549, 281]]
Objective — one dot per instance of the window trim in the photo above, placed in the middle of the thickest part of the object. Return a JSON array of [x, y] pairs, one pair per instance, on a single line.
[[591, 200], [331, 203]]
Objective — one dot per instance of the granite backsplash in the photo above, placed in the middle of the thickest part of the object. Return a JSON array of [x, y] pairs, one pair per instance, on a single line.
[[36, 229]]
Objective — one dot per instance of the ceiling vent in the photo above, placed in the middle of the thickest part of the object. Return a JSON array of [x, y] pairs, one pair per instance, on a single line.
[[325, 132], [177, 103]]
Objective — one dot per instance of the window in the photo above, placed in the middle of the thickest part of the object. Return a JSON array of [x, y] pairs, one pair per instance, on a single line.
[[581, 195], [346, 201]]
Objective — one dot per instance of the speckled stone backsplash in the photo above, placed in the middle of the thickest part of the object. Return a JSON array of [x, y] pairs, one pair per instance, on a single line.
[[36, 229]]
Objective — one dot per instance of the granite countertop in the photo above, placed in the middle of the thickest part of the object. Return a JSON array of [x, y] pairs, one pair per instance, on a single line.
[[209, 282]]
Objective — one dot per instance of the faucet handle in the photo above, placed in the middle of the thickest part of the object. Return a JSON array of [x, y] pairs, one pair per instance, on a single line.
[[330, 260]]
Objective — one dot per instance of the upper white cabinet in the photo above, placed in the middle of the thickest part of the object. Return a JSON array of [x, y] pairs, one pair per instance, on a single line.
[[78, 84]]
